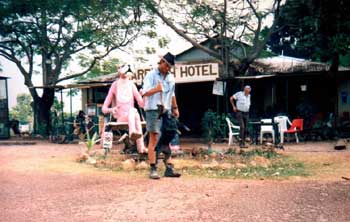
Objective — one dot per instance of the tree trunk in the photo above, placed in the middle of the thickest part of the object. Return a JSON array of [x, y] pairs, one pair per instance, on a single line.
[[42, 112]]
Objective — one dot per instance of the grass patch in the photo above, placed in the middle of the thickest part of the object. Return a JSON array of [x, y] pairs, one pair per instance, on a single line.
[[283, 167], [253, 164], [269, 154]]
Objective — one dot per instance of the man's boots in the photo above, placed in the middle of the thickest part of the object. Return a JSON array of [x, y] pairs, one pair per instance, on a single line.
[[153, 173], [169, 172]]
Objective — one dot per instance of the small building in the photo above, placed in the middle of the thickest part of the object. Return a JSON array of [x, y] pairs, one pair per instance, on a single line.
[[280, 84], [4, 110]]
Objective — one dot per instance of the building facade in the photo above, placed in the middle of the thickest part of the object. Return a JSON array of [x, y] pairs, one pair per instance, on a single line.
[[4, 110], [280, 85]]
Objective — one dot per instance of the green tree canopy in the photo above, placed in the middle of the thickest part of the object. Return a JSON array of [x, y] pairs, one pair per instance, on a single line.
[[44, 36], [23, 111], [314, 29]]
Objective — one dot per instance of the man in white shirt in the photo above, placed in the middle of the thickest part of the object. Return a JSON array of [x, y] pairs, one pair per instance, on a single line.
[[241, 108]]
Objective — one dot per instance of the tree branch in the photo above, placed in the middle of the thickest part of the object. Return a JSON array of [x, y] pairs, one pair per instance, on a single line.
[[183, 35], [95, 59]]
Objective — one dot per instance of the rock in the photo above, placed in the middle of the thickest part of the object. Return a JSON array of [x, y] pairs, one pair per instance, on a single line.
[[91, 161], [340, 145], [100, 164], [195, 151], [142, 166], [253, 163], [128, 164], [82, 157], [225, 166], [262, 161], [268, 146], [213, 164], [100, 152], [213, 155], [240, 165], [276, 174]]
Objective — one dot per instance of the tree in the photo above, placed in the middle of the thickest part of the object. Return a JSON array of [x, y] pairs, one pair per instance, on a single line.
[[236, 26], [23, 111], [102, 67], [314, 29], [44, 36]]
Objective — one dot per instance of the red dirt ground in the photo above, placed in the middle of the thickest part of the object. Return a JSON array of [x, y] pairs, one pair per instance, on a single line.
[[44, 183]]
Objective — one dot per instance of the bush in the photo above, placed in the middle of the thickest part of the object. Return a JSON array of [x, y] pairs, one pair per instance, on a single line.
[[214, 126]]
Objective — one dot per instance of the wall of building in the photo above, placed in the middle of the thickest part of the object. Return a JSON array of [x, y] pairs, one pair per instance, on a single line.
[[343, 97]]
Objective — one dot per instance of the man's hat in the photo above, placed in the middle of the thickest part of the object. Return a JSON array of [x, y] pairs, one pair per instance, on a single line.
[[169, 59]]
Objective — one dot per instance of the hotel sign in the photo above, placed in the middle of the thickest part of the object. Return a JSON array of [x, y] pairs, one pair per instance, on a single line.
[[188, 73]]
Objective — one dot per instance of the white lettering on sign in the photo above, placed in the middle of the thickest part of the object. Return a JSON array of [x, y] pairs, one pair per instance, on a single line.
[[186, 73]]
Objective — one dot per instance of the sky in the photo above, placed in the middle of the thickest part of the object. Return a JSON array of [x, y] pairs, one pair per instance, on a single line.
[[16, 81], [177, 44]]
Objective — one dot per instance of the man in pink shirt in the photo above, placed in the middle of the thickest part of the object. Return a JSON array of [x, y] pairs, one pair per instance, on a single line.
[[120, 102]]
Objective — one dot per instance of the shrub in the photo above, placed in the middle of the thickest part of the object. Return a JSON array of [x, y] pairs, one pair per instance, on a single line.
[[214, 126]]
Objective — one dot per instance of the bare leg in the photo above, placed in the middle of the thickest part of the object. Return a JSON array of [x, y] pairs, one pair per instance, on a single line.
[[138, 129], [133, 120], [153, 140]]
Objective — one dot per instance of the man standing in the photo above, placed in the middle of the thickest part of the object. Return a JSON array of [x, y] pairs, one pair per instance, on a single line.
[[159, 90], [241, 108]]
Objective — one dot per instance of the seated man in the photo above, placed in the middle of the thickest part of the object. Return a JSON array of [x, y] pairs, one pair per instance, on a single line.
[[121, 96]]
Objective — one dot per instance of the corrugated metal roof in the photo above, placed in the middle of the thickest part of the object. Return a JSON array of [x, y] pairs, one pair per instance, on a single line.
[[105, 78], [285, 64]]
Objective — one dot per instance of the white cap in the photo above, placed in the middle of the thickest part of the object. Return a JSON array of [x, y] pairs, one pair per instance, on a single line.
[[247, 87]]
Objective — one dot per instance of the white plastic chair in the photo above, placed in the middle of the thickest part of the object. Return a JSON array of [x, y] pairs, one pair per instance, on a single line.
[[283, 122], [233, 131], [267, 129]]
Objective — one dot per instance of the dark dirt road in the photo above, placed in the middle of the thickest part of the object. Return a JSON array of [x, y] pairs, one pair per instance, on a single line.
[[43, 183]]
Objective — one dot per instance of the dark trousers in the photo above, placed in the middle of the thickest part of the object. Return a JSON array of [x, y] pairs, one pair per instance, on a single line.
[[242, 118]]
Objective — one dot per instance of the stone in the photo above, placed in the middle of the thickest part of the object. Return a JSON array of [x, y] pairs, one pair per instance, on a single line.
[[82, 157], [225, 166], [213, 155], [142, 166], [262, 161], [128, 164], [213, 164], [340, 145], [240, 165], [195, 151], [253, 163], [91, 161]]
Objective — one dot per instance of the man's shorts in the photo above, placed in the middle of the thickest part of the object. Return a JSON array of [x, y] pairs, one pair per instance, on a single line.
[[153, 122]]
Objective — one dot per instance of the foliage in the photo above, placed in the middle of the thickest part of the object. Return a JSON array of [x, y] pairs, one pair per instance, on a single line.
[[91, 141], [314, 29], [23, 110], [101, 67], [46, 35], [214, 126], [259, 152], [57, 105], [235, 28]]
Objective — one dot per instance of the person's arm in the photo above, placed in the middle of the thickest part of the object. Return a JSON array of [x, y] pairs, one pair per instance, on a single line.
[[232, 100], [148, 86], [109, 99], [137, 96], [152, 91], [174, 107]]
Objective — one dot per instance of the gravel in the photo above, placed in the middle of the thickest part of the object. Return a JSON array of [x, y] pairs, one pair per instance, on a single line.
[[42, 182]]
